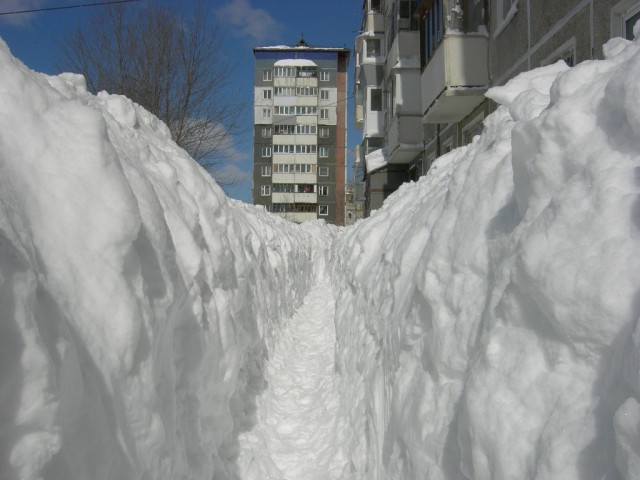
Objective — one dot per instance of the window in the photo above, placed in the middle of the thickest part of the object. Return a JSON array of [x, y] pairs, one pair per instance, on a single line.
[[566, 52], [266, 75], [629, 21], [285, 72], [433, 22], [323, 210], [506, 11], [266, 94], [285, 91], [285, 110], [285, 129], [305, 110], [324, 76], [265, 170], [323, 171], [324, 113], [266, 113], [265, 190], [307, 71], [473, 128], [305, 188], [324, 132], [324, 152], [305, 149], [324, 94], [307, 91], [283, 188], [266, 132], [447, 146], [373, 47], [505, 8], [323, 190], [306, 129], [266, 152], [376, 100]]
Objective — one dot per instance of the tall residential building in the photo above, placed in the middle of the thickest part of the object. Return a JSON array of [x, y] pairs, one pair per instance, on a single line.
[[463, 48], [300, 131]]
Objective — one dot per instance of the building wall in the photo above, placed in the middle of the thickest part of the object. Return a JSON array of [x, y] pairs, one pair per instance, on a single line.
[[334, 62]]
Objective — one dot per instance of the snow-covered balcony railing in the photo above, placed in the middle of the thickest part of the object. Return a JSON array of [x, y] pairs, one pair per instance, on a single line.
[[454, 54]]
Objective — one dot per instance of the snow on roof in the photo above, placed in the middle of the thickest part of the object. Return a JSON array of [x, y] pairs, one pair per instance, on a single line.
[[295, 62]]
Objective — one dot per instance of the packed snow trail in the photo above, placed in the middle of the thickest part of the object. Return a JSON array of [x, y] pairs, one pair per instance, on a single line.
[[296, 435]]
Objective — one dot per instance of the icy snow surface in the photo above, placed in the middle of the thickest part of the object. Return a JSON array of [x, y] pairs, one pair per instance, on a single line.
[[483, 324]]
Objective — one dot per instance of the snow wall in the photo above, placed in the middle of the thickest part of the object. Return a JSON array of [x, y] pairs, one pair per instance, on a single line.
[[487, 315], [136, 300]]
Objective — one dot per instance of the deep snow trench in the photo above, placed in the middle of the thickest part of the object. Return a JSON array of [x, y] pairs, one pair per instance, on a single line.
[[297, 435], [487, 316]]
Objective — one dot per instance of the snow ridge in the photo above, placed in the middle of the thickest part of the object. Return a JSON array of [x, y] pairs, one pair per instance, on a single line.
[[487, 315]]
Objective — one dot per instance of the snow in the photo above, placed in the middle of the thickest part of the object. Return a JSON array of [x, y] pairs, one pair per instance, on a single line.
[[376, 159], [295, 63], [482, 324], [487, 315]]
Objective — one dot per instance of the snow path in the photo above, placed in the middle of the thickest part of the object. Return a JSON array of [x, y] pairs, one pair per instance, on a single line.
[[297, 434]]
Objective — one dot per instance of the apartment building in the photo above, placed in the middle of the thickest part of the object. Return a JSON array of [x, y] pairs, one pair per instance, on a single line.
[[465, 47], [387, 97], [299, 140]]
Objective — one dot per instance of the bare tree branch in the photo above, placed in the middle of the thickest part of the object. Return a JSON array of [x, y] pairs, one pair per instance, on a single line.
[[172, 65]]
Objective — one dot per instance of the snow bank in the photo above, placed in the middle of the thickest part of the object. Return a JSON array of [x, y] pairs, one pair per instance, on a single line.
[[487, 315], [136, 300]]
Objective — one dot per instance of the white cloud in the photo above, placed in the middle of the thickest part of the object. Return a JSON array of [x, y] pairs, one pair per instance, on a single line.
[[249, 21]]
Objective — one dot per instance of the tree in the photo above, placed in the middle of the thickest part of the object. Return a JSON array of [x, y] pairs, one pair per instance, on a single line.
[[171, 65]]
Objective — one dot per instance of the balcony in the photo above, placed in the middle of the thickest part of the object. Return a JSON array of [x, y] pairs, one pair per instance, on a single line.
[[404, 139], [294, 197], [359, 117], [404, 51], [455, 78]]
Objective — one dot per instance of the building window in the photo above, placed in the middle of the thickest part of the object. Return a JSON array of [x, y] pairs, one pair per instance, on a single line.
[[504, 8], [629, 21], [376, 100], [324, 152], [307, 91], [265, 190], [506, 11], [325, 76], [305, 110], [266, 94], [323, 171], [266, 75], [447, 146], [265, 170], [473, 128], [323, 190], [324, 132], [285, 129], [433, 21], [323, 210], [285, 72], [566, 53], [324, 94], [266, 132], [306, 129], [266, 113], [324, 113], [266, 152], [373, 47]]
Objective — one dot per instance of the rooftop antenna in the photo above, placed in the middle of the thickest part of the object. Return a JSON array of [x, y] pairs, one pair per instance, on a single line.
[[301, 42]]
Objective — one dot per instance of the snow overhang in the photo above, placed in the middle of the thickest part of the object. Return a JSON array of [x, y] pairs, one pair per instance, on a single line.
[[295, 62], [376, 160]]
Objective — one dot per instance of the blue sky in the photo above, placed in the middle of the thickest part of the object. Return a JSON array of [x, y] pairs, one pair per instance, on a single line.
[[34, 39]]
